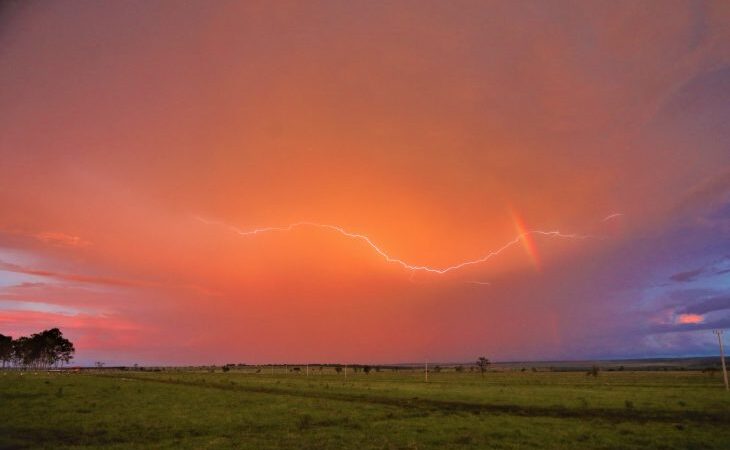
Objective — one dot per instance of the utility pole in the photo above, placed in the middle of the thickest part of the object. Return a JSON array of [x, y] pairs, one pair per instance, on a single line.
[[307, 369], [722, 356], [426, 372], [345, 371]]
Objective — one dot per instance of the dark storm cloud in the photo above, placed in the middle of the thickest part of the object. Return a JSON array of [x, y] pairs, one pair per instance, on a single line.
[[689, 275], [709, 305]]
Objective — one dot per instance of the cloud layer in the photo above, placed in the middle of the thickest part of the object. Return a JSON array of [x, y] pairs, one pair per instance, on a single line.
[[439, 131]]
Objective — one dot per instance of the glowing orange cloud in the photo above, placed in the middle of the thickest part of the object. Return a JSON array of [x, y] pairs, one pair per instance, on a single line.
[[690, 318], [52, 238], [62, 239]]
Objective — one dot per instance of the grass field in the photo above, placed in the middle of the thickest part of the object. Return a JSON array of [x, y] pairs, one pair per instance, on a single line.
[[187, 409]]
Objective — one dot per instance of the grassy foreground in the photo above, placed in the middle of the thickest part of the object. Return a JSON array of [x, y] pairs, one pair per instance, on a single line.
[[178, 409]]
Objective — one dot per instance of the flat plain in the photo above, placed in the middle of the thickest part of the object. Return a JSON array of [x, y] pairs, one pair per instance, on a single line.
[[256, 409]]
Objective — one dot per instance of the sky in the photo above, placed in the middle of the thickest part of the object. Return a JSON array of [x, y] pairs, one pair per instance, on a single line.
[[365, 182]]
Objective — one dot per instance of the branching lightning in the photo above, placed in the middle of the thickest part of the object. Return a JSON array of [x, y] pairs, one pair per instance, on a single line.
[[393, 260]]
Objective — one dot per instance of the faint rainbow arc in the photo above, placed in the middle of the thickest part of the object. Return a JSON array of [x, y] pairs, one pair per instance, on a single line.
[[528, 241]]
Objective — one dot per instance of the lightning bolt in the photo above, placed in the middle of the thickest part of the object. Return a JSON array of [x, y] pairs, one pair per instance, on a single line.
[[388, 258], [612, 216]]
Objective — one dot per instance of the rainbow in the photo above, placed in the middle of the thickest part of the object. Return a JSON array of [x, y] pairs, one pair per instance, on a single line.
[[527, 239]]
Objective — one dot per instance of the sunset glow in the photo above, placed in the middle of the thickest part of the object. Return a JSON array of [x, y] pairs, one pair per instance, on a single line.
[[690, 318], [214, 182]]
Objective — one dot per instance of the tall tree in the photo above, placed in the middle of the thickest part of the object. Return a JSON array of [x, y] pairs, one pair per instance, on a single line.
[[6, 349], [41, 350]]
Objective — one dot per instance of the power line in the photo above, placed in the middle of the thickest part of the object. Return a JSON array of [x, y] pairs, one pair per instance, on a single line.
[[722, 356]]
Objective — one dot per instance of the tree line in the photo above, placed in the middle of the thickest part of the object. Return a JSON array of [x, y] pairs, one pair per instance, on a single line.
[[42, 350]]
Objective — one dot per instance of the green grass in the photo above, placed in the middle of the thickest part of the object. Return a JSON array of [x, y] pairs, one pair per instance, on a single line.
[[179, 409]]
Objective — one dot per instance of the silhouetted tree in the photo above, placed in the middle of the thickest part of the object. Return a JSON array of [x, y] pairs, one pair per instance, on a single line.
[[21, 351], [6, 349], [483, 364], [39, 351], [54, 348], [366, 369]]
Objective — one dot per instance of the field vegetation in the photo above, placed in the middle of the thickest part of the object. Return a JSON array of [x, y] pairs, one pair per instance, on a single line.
[[249, 407]]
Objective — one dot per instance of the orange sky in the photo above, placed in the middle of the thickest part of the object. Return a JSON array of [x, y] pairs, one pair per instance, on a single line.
[[441, 132]]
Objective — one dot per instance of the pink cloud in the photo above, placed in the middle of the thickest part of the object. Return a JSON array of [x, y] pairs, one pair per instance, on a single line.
[[690, 318], [61, 239], [81, 278]]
